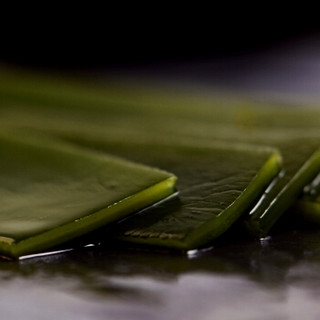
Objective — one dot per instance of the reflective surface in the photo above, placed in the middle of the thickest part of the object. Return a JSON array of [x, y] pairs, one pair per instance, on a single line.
[[277, 278]]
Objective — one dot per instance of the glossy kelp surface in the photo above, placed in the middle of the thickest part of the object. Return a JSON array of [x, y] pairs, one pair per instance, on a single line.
[[52, 192], [301, 164], [90, 114], [218, 183]]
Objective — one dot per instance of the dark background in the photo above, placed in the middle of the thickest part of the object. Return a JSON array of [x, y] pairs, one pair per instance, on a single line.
[[124, 42]]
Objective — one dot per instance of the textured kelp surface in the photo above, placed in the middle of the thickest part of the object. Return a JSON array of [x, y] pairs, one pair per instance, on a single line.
[[91, 114], [218, 183]]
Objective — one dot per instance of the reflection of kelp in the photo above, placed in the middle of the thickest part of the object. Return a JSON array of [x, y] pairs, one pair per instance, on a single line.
[[91, 115], [93, 270]]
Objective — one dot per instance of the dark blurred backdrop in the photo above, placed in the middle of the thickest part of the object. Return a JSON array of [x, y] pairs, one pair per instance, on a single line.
[[125, 42]]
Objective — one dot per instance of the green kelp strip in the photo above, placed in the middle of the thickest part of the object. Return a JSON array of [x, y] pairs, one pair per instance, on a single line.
[[285, 191], [307, 208], [218, 184], [52, 192], [90, 113], [301, 164]]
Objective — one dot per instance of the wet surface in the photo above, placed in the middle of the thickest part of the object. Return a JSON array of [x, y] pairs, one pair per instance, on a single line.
[[277, 278]]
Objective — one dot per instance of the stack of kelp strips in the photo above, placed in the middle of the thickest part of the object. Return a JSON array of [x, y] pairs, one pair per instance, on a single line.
[[153, 167]]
